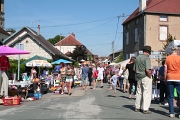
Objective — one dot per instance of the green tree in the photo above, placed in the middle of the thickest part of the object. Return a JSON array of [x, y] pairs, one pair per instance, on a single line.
[[169, 39], [11, 30], [120, 58], [79, 53], [56, 39]]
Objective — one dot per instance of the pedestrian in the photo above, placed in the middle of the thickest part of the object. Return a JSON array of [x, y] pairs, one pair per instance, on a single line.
[[131, 77], [62, 76], [144, 82], [90, 73], [95, 75], [69, 79], [163, 86], [85, 70], [125, 80], [172, 78], [100, 75], [114, 80]]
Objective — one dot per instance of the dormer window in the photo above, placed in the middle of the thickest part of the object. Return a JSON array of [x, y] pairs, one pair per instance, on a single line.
[[163, 18]]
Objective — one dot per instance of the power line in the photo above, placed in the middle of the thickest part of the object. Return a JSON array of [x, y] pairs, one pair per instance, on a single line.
[[98, 44]]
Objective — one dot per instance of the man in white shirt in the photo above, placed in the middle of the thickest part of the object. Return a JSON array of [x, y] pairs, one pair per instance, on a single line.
[[100, 75]]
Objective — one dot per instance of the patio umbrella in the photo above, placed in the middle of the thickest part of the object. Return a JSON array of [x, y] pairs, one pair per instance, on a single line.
[[61, 60], [36, 57], [38, 63], [6, 50]]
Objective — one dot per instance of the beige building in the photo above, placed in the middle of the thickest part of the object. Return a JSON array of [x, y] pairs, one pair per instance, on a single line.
[[29, 40], [150, 24]]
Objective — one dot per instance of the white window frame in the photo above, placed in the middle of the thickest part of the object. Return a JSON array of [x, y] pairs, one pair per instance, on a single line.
[[136, 34], [163, 18], [127, 38], [163, 32]]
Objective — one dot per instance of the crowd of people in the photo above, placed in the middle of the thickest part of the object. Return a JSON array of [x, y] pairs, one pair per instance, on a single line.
[[136, 79]]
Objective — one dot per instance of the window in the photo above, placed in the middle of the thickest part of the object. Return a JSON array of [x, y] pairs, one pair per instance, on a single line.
[[136, 35], [127, 38], [163, 33], [163, 18], [127, 26], [127, 56], [136, 22], [19, 46]]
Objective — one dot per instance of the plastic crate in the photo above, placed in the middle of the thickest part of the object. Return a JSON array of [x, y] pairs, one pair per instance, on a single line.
[[11, 101], [7, 101], [37, 95]]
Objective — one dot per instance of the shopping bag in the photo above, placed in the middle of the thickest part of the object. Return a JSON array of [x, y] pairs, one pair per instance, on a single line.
[[175, 93]]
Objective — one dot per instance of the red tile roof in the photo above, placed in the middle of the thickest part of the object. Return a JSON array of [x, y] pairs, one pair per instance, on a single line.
[[158, 6], [69, 41], [4, 32]]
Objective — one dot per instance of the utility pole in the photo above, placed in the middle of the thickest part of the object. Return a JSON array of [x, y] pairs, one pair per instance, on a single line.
[[113, 50]]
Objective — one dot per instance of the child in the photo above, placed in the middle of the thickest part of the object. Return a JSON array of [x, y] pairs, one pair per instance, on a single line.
[[114, 80]]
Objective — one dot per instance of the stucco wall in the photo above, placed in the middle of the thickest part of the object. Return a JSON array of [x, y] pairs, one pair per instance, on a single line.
[[65, 48], [152, 30]]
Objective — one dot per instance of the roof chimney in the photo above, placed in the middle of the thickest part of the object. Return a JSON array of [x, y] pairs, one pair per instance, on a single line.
[[38, 29], [142, 5], [73, 34]]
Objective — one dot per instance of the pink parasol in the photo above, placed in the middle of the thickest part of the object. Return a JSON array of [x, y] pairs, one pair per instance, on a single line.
[[6, 50]]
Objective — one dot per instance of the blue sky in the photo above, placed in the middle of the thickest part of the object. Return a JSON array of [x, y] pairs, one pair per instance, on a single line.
[[98, 20]]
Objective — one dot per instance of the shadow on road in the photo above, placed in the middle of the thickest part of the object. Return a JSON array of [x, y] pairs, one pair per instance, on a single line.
[[110, 95], [153, 110]]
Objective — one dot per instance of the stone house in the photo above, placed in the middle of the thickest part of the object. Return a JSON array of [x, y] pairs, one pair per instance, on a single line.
[[29, 40], [150, 24]]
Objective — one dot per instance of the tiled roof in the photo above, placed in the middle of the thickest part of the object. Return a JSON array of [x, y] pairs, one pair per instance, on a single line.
[[69, 41], [4, 32], [158, 6]]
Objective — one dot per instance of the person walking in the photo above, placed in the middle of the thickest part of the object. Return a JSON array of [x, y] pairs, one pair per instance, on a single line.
[[95, 75], [172, 78], [69, 79], [131, 77], [100, 75], [90, 73], [144, 82], [85, 70], [163, 86], [114, 80], [62, 76]]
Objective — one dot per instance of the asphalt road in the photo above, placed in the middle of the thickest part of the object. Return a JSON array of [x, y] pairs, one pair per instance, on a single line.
[[83, 105]]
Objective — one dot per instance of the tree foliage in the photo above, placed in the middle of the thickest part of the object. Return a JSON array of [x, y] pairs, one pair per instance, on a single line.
[[11, 30], [169, 39], [79, 53], [56, 39], [120, 58]]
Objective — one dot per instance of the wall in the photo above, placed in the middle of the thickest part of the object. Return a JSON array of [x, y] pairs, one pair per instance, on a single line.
[[33, 48]]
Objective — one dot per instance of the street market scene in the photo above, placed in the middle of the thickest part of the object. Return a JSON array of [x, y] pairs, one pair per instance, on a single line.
[[81, 63]]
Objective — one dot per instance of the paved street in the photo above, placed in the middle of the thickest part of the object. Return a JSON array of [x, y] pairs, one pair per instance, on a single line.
[[82, 105]]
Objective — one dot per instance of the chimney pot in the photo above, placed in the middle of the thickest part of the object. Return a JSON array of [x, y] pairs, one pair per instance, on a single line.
[[142, 5], [38, 29]]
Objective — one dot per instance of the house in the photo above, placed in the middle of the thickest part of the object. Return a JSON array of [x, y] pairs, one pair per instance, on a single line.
[[29, 40], [116, 55], [69, 43], [3, 35], [150, 24]]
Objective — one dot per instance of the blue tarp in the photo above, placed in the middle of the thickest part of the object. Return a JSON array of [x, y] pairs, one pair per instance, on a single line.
[[61, 60]]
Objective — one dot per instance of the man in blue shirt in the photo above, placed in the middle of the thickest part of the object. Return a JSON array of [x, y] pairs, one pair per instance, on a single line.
[[85, 70]]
